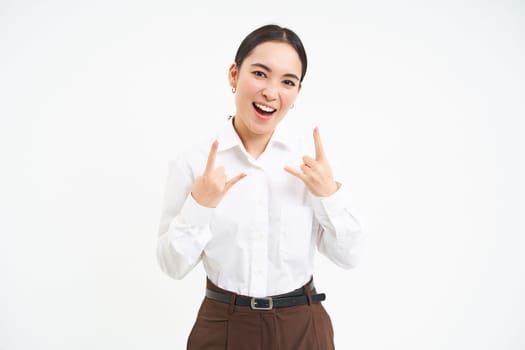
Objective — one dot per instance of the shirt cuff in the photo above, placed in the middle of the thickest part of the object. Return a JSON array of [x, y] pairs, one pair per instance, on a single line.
[[326, 207], [194, 214]]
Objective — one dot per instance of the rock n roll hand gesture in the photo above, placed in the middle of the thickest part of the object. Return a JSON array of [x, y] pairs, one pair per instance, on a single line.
[[209, 188], [316, 173]]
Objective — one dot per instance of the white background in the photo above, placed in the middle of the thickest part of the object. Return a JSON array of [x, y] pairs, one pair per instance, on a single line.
[[422, 103]]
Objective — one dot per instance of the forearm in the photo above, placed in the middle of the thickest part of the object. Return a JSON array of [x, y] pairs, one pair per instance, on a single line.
[[340, 235], [180, 248]]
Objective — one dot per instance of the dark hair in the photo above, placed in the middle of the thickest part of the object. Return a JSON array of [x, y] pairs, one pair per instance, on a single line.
[[271, 32]]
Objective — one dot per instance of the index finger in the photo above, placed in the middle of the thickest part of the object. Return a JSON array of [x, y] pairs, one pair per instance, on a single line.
[[210, 164], [319, 150]]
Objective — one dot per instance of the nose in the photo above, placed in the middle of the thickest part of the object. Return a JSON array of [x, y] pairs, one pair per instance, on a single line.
[[270, 92]]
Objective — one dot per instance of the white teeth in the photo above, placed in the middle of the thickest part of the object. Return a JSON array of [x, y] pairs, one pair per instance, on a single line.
[[265, 108]]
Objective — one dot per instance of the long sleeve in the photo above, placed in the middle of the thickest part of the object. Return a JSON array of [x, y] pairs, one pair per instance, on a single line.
[[262, 237], [340, 237], [184, 227]]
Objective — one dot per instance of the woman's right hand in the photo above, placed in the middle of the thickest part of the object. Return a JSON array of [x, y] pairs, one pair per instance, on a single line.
[[209, 188]]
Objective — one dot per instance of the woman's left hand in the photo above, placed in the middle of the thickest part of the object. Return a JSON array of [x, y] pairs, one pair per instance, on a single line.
[[316, 173]]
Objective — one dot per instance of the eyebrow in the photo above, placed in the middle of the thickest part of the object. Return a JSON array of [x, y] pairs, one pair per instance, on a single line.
[[289, 75]]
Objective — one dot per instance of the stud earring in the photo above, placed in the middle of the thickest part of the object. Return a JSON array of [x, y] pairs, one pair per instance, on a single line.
[[233, 90]]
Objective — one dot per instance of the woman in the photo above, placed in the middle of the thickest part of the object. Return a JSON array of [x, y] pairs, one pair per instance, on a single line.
[[253, 218]]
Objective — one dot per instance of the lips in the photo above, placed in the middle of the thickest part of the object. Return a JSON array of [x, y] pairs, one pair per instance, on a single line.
[[264, 111], [264, 108]]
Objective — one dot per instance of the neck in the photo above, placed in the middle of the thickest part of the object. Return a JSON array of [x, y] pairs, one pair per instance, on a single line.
[[255, 144]]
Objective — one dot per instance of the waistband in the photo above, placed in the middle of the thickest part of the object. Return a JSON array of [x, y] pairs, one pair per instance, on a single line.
[[299, 296]]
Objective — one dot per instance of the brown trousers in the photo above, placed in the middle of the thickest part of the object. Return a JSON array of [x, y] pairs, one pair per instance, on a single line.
[[221, 326]]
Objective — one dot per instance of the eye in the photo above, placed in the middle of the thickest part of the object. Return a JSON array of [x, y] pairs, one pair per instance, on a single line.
[[259, 74], [289, 83]]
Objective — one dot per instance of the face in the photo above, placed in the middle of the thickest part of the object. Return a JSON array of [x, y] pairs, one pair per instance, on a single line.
[[267, 84]]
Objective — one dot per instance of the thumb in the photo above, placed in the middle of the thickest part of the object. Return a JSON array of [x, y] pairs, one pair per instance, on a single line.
[[234, 180], [294, 172]]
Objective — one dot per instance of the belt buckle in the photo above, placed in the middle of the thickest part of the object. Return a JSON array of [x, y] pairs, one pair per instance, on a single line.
[[253, 304]]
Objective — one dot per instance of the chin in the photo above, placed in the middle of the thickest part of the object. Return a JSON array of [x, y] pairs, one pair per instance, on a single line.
[[262, 129]]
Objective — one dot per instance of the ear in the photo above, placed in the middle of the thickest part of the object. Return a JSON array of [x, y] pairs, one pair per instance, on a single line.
[[233, 73]]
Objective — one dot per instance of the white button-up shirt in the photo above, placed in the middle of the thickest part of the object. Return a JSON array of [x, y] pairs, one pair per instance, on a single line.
[[262, 237]]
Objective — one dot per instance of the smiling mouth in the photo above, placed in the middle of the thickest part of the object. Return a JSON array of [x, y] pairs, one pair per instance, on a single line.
[[263, 110]]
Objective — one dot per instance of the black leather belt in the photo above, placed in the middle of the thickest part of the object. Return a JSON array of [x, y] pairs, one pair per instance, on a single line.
[[296, 297]]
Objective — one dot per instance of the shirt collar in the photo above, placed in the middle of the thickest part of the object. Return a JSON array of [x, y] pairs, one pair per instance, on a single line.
[[228, 137]]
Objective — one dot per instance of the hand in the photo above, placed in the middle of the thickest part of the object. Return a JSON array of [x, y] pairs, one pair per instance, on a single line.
[[316, 173], [209, 188]]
